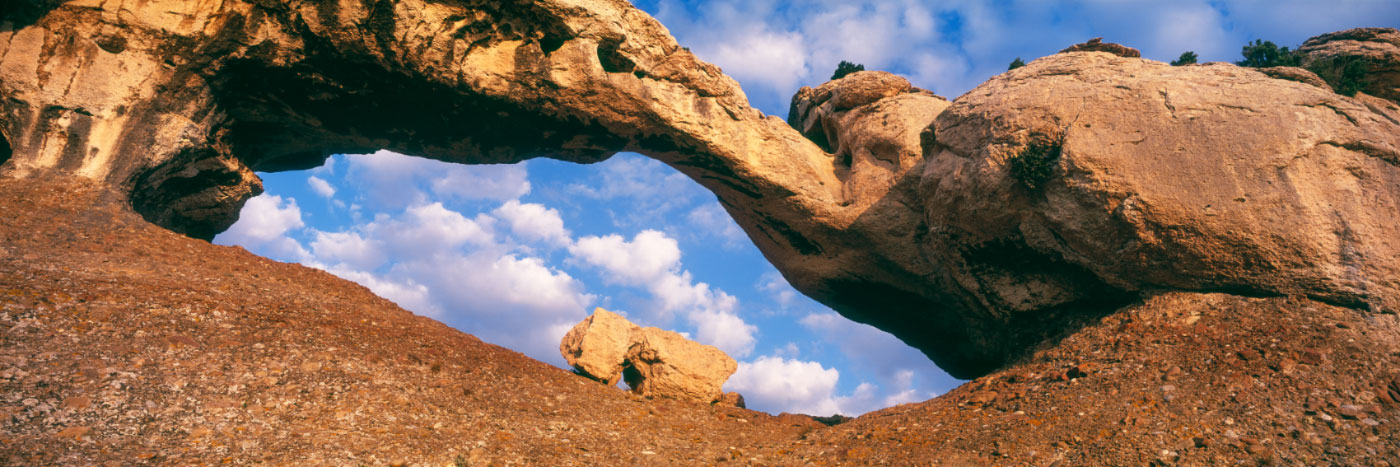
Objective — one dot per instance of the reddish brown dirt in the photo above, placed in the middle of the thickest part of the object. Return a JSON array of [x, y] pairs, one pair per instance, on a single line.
[[124, 344]]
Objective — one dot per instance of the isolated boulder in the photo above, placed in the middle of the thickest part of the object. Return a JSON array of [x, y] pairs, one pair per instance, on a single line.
[[654, 362], [731, 399], [597, 346], [1375, 52], [663, 363]]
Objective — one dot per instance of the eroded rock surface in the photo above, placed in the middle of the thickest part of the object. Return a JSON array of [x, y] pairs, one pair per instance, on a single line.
[[655, 362], [1376, 51], [597, 346], [1179, 178], [663, 363]]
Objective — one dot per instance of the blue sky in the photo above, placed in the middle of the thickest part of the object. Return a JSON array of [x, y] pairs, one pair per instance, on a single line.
[[516, 254]]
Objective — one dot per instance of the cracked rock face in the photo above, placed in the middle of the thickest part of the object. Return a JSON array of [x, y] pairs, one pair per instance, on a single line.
[[920, 221]]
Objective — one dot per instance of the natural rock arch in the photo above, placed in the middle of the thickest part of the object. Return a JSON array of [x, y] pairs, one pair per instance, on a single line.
[[176, 103]]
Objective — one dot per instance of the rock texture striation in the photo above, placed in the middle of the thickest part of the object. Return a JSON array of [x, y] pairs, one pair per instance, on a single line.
[[1050, 195], [654, 362]]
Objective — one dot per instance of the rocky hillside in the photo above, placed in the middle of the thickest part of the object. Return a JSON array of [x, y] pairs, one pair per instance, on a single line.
[[1140, 262], [126, 344]]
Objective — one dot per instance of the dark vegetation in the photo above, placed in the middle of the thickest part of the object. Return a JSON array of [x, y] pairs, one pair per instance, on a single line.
[[846, 68], [1036, 162], [1187, 58], [1264, 54], [1345, 74], [1017, 63]]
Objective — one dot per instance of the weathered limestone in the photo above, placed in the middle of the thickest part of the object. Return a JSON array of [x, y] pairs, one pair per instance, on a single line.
[[655, 362]]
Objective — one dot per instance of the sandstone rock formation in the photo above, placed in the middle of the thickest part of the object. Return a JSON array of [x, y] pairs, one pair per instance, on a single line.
[[1098, 45], [1166, 178], [663, 363], [654, 362], [1293, 73], [1148, 178], [1377, 50], [734, 399], [597, 346]]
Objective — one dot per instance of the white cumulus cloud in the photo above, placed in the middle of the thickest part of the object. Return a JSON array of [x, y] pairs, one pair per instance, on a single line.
[[778, 384], [534, 222], [263, 225], [320, 186]]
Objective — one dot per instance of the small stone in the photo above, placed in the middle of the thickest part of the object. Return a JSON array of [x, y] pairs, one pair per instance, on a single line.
[[77, 402], [1312, 404], [1248, 354], [1286, 365], [177, 341], [1368, 421], [1311, 357], [1349, 412], [1201, 442], [1081, 370], [982, 398], [74, 432], [1173, 373], [731, 399]]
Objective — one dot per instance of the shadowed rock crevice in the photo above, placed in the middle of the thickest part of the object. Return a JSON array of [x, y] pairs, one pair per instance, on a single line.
[[5, 150]]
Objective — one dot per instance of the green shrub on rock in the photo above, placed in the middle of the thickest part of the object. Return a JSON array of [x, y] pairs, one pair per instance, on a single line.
[[1034, 164], [846, 68]]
